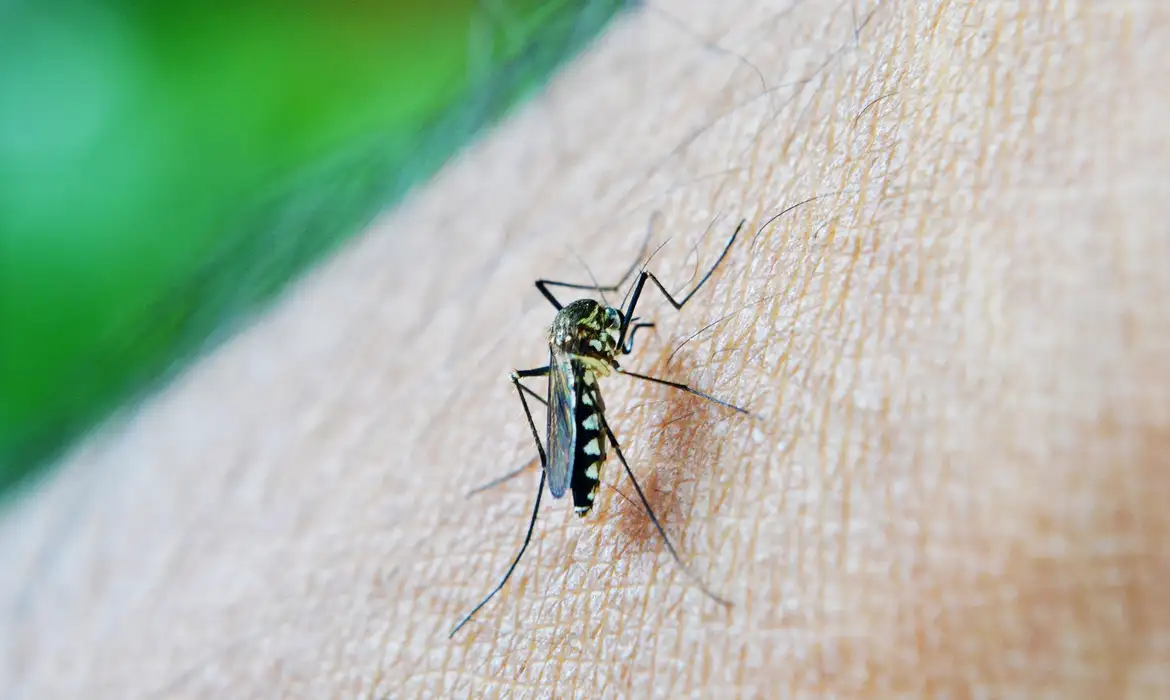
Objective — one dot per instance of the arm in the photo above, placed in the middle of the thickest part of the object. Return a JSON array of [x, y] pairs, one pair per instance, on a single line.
[[956, 354]]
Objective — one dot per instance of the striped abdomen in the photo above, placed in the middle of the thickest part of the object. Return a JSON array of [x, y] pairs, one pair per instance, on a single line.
[[589, 452]]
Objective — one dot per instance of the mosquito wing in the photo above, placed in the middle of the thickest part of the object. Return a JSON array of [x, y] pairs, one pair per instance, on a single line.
[[562, 424]]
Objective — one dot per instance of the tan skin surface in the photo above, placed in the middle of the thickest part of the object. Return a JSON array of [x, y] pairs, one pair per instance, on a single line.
[[959, 359]]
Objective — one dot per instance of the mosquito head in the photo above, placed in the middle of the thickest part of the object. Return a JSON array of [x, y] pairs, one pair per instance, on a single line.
[[587, 328]]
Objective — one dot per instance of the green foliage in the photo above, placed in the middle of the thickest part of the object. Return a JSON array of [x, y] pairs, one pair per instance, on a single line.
[[166, 168]]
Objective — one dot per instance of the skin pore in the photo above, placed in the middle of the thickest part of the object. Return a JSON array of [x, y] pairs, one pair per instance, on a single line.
[[958, 356]]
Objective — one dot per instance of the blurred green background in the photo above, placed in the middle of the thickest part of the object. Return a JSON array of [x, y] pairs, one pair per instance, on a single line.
[[167, 167]]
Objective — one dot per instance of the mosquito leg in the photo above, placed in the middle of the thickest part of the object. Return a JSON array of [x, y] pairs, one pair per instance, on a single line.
[[689, 390], [503, 478], [539, 371], [523, 548], [629, 346], [520, 389], [654, 519], [676, 303], [515, 472], [543, 285]]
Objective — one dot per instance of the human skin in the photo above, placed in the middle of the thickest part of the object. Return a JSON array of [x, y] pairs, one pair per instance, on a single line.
[[957, 358]]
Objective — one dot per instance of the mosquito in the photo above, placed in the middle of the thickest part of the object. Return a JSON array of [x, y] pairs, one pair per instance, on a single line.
[[584, 341]]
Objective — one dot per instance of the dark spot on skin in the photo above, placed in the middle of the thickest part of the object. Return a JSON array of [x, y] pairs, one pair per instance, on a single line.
[[676, 448]]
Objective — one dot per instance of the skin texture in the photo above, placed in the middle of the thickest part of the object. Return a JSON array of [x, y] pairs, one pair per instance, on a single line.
[[958, 357]]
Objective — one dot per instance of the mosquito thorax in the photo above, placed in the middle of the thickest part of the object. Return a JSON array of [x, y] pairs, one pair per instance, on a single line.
[[588, 330]]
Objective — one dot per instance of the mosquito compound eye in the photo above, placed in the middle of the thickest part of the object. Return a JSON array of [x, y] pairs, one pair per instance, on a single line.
[[613, 317], [613, 326]]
